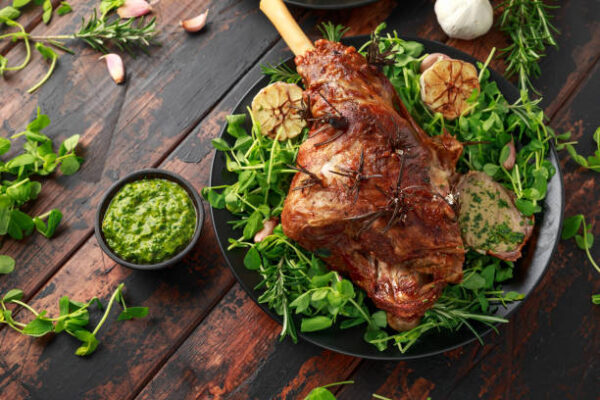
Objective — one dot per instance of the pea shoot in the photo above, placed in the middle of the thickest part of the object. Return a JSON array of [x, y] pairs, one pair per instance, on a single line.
[[18, 186], [73, 318]]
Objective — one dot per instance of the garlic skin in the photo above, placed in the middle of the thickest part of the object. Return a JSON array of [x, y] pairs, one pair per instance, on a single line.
[[195, 24], [115, 66], [464, 19], [134, 9], [432, 59]]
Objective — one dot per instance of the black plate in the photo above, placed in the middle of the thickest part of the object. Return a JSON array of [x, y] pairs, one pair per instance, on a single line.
[[329, 4], [528, 270]]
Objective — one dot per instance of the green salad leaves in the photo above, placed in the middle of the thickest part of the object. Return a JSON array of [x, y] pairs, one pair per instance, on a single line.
[[296, 282], [18, 187], [73, 318]]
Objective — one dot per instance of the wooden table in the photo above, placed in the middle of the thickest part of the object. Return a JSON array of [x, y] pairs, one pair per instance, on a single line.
[[204, 337]]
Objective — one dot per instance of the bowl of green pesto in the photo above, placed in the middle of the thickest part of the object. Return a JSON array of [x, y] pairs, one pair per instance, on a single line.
[[150, 219]]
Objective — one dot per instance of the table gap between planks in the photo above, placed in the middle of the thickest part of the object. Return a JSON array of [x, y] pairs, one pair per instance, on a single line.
[[205, 338]]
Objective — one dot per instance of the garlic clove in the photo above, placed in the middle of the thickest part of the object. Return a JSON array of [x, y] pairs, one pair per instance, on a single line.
[[195, 24], [115, 66], [432, 59], [267, 229], [134, 8], [509, 163]]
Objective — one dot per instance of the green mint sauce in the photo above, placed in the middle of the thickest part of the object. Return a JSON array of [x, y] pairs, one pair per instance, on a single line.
[[149, 221]]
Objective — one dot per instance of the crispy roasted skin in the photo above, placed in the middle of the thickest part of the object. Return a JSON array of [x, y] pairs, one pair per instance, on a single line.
[[387, 225]]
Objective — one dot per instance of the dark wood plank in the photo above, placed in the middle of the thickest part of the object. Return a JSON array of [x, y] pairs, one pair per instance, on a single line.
[[129, 126], [235, 354]]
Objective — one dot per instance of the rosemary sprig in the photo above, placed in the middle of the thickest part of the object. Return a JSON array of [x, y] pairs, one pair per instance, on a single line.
[[99, 34], [331, 32], [527, 23], [281, 73]]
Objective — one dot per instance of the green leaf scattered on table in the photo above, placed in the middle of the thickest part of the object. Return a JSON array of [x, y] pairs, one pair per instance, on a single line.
[[64, 8], [74, 318], [585, 240], [7, 264], [18, 187]]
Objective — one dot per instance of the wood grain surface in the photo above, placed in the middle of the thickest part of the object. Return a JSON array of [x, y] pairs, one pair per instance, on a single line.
[[204, 337]]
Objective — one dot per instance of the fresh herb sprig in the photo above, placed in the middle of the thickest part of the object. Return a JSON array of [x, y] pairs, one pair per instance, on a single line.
[[73, 318], [331, 32], [281, 73], [17, 186], [100, 33], [527, 23]]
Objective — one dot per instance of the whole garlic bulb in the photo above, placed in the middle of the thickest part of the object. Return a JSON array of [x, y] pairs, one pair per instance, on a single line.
[[464, 19]]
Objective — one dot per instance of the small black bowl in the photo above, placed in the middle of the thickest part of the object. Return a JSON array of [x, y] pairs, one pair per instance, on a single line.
[[151, 173]]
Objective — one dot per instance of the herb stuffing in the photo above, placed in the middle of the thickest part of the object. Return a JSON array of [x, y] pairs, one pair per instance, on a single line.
[[295, 281]]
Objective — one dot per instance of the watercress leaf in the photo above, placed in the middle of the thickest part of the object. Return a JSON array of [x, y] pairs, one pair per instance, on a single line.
[[38, 327], [220, 144], [68, 145], [47, 16], [14, 231], [319, 294], [345, 288], [503, 274], [133, 312], [6, 205], [9, 13], [4, 145], [20, 161], [89, 342], [379, 318], [320, 393], [373, 334], [34, 189], [596, 298], [217, 200], [571, 226], [13, 294], [585, 242], [69, 165], [48, 229], [252, 259], [19, 192], [37, 137], [491, 169], [63, 306], [322, 280], [317, 323], [527, 207], [235, 125], [253, 224], [301, 303], [20, 3], [7, 264], [473, 281], [488, 274], [64, 8]]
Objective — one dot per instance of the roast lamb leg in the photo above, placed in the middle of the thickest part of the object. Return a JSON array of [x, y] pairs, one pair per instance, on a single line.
[[380, 209]]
